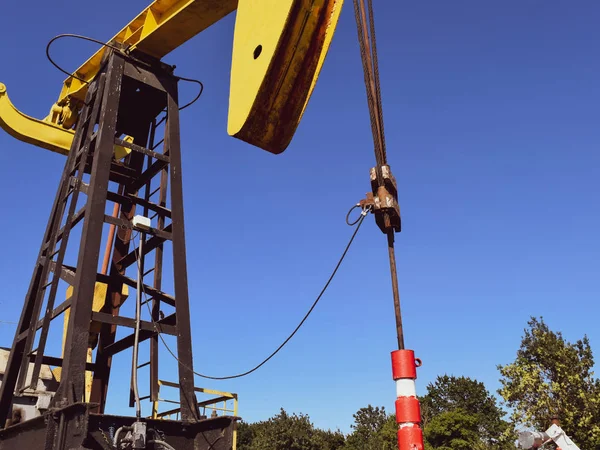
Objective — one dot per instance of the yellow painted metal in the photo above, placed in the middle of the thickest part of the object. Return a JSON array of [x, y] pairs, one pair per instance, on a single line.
[[42, 134], [37, 132], [235, 414], [278, 51], [329, 31], [98, 303], [120, 151], [157, 30]]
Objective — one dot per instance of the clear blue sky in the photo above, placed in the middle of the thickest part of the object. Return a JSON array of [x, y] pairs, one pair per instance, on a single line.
[[492, 124]]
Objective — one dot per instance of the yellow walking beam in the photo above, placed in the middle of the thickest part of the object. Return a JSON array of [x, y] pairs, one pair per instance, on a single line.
[[278, 52], [42, 134], [38, 132], [156, 31]]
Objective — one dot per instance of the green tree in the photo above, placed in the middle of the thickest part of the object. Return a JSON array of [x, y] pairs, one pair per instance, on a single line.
[[329, 440], [453, 430], [372, 430], [389, 433], [245, 435], [450, 393], [282, 432], [552, 377], [287, 432]]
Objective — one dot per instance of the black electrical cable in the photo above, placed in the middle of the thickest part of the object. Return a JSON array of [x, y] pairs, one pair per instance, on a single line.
[[191, 80], [104, 44], [76, 36], [348, 216], [255, 368]]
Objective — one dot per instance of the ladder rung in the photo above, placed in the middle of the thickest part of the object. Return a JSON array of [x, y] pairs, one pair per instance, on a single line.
[[148, 271], [144, 398], [92, 91], [82, 149], [158, 143], [47, 284], [68, 194], [160, 121], [140, 149], [143, 365], [79, 184], [154, 191], [88, 117]]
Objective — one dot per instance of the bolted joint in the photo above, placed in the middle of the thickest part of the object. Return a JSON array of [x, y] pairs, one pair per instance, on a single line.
[[68, 115], [139, 435], [385, 199]]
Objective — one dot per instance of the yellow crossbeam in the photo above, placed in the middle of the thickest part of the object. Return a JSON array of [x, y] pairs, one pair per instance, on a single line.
[[157, 30], [27, 129], [278, 51]]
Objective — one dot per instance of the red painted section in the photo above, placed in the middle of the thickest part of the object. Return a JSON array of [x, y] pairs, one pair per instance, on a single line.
[[408, 410], [410, 438], [403, 364]]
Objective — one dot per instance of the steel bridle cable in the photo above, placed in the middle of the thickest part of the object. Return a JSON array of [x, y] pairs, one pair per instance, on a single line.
[[377, 80], [370, 63], [371, 79], [267, 359]]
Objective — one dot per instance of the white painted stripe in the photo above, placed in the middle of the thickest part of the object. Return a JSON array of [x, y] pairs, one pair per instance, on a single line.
[[406, 387], [406, 424]]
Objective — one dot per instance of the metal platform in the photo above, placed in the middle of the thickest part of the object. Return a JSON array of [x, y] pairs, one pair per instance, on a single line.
[[91, 431]]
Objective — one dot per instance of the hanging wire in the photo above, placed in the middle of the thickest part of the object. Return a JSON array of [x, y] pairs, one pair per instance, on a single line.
[[114, 47], [359, 222], [75, 36]]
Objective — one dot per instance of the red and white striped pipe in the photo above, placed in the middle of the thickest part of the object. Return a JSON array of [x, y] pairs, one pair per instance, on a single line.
[[408, 411]]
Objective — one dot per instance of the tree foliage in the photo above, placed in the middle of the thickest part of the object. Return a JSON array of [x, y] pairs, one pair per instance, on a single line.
[[452, 430], [472, 403], [329, 440], [458, 412], [287, 432], [373, 429], [549, 377], [552, 377]]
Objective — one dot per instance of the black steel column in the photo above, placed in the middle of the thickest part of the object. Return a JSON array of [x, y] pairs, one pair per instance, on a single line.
[[72, 385], [24, 335], [189, 409]]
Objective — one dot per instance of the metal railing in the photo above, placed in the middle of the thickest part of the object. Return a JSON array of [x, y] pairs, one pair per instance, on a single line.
[[222, 403]]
